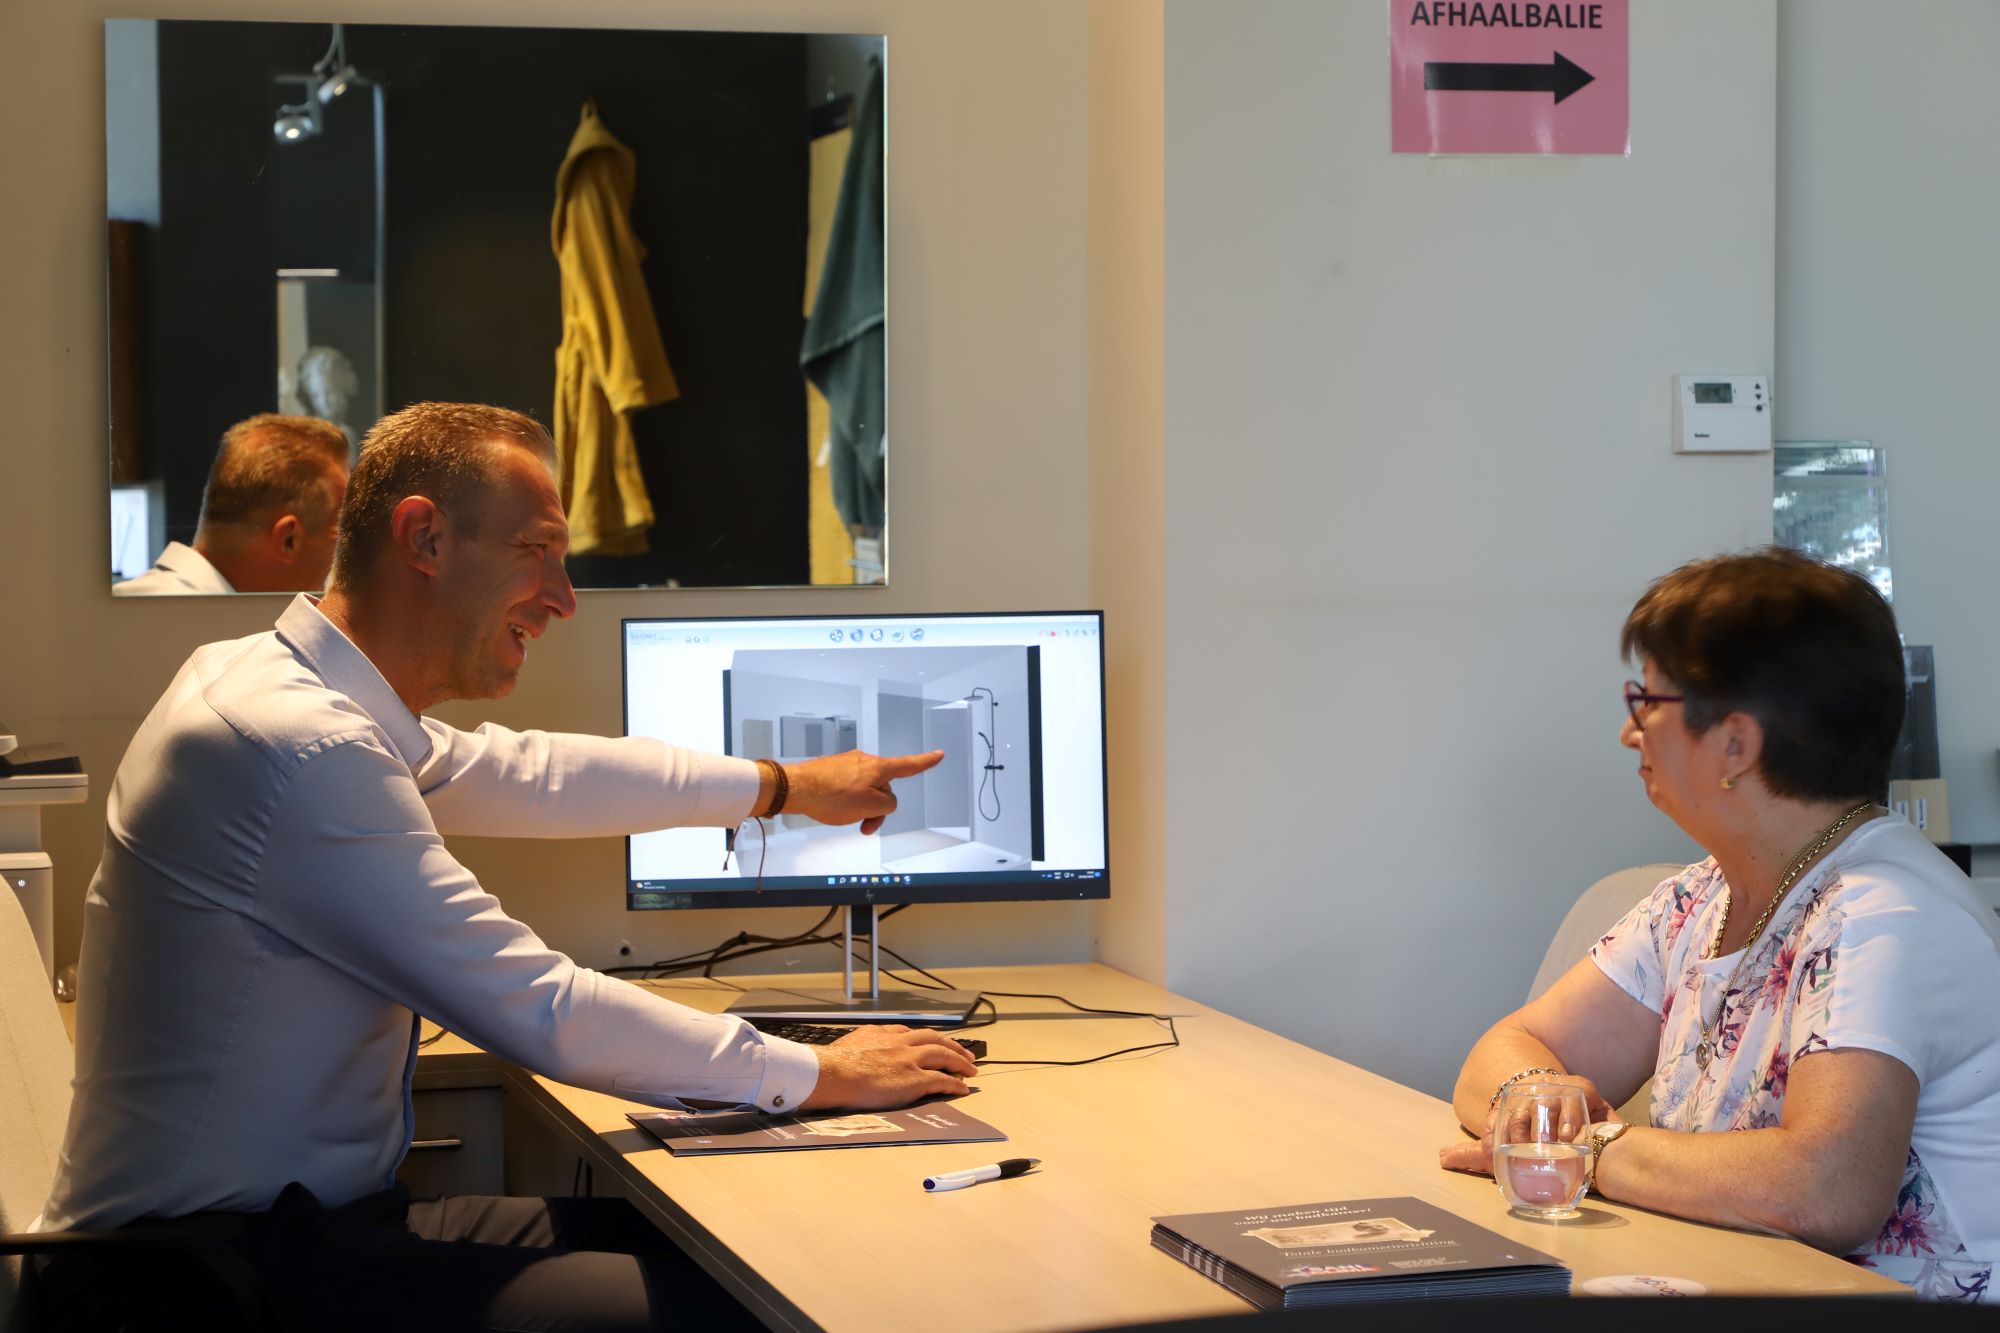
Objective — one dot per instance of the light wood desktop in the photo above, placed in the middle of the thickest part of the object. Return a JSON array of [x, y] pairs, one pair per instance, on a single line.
[[1237, 1117]]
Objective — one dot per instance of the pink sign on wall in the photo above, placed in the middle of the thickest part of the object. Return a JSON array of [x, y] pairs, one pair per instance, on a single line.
[[1509, 76]]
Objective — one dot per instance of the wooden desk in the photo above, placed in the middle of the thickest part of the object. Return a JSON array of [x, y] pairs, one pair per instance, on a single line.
[[1235, 1118]]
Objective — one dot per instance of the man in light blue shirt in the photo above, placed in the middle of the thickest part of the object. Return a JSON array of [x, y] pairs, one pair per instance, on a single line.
[[276, 905], [269, 513]]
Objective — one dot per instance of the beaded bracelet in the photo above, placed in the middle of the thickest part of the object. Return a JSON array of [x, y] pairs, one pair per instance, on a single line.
[[1501, 1091]]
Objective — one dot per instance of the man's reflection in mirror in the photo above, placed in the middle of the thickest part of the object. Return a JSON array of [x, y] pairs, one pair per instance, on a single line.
[[268, 513]]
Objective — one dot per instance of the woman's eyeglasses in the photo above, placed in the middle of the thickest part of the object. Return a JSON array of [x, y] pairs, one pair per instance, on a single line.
[[1637, 697]]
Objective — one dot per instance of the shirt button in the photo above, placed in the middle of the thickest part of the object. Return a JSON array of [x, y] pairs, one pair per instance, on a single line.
[[778, 1100]]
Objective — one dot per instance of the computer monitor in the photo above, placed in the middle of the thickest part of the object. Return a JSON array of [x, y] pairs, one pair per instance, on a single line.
[[1015, 811]]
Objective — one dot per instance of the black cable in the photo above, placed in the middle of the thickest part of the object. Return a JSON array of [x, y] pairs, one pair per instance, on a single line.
[[746, 945], [763, 852], [972, 1024], [709, 958], [765, 944], [712, 958], [942, 984], [722, 953], [1173, 1033]]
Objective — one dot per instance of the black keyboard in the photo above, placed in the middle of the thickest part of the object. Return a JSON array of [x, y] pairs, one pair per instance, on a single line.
[[821, 1034], [812, 1034]]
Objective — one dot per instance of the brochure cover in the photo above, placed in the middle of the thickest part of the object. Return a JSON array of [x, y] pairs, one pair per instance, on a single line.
[[697, 1134], [1355, 1250]]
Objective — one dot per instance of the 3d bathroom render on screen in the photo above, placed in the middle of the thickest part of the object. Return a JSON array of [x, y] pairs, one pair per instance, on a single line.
[[1014, 810], [971, 812]]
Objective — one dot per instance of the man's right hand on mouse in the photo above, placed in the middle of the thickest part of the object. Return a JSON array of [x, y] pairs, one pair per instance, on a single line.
[[877, 1068]]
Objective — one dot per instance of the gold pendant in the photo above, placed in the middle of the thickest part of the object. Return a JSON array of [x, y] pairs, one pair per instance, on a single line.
[[1701, 1056]]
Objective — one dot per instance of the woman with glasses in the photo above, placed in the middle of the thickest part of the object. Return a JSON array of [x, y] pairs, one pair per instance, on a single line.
[[1818, 1001]]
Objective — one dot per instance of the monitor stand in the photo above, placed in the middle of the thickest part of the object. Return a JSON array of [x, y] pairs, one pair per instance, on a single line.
[[918, 1008]]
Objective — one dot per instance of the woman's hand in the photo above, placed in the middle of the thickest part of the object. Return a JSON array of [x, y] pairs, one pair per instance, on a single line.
[[1476, 1155], [1594, 1101]]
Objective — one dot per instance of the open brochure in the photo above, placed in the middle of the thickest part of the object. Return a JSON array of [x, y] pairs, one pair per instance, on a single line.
[[690, 1134], [1355, 1250]]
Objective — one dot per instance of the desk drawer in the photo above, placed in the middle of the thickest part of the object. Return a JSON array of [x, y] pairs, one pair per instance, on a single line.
[[459, 1146]]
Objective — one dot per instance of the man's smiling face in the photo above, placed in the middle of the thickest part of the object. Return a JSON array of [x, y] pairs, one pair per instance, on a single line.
[[500, 586]]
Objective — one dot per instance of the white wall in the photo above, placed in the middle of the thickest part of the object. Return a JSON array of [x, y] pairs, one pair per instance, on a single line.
[[1889, 318], [988, 337], [1364, 527], [1127, 465], [1417, 470]]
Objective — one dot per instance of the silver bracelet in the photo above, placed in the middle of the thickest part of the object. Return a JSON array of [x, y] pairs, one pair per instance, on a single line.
[[1501, 1091]]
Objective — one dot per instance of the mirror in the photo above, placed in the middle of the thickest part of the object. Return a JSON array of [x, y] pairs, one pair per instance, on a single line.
[[336, 220]]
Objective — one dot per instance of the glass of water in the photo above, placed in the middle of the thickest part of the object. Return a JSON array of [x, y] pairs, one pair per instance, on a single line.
[[1541, 1149]]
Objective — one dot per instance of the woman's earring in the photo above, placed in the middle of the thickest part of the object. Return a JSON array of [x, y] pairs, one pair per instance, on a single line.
[[1729, 784]]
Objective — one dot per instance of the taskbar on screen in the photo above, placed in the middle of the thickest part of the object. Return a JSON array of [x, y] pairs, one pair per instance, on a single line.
[[727, 890]]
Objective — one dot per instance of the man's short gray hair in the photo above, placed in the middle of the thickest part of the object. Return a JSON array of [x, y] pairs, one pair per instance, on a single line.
[[270, 465], [441, 451]]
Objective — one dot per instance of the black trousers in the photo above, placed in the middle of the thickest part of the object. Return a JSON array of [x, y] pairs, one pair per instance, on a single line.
[[383, 1263]]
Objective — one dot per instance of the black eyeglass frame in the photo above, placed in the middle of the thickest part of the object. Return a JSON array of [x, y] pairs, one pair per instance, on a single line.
[[1637, 694]]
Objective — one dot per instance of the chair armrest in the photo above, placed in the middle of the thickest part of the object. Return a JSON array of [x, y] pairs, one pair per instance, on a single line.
[[218, 1261]]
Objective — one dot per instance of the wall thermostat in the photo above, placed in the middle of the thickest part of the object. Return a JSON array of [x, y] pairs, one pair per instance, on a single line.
[[1722, 414]]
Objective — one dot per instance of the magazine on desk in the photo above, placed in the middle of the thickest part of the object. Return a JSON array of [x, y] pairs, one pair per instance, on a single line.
[[695, 1134], [1355, 1250]]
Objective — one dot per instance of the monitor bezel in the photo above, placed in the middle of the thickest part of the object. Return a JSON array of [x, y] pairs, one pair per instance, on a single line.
[[833, 895]]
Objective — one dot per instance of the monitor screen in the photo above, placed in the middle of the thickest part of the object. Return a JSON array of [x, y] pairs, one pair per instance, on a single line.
[[1015, 810]]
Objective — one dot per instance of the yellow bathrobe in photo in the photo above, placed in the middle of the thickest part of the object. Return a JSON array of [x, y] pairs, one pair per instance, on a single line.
[[611, 362]]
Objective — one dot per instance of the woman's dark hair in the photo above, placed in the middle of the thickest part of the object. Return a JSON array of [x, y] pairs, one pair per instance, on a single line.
[[1806, 648]]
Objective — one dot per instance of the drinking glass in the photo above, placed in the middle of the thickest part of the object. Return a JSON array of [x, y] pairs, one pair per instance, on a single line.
[[1541, 1149]]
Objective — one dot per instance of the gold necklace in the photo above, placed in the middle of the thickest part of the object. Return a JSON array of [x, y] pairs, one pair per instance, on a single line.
[[1704, 1051]]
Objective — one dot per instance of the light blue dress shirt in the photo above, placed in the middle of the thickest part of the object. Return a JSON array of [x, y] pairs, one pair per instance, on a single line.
[[180, 569], [276, 904]]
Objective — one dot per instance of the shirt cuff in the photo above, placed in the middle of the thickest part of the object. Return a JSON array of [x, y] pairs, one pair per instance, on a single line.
[[791, 1072]]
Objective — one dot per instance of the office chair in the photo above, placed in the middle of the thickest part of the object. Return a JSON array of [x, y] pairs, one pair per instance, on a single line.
[[155, 1279], [1594, 913], [1599, 909]]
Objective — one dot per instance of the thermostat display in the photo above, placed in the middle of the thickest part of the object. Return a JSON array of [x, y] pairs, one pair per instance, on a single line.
[[1722, 414]]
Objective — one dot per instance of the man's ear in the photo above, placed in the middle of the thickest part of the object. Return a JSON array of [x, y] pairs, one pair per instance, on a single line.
[[286, 536], [418, 533]]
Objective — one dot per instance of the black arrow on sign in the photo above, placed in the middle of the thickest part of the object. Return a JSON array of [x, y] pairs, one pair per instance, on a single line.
[[1562, 78]]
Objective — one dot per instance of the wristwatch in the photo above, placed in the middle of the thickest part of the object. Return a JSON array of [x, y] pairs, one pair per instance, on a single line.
[[1600, 1139]]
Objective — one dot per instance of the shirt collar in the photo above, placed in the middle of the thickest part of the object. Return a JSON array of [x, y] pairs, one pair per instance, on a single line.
[[182, 559], [345, 668]]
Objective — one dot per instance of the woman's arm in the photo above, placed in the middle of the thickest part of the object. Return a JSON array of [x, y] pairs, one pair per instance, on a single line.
[[1826, 1175], [1583, 1026]]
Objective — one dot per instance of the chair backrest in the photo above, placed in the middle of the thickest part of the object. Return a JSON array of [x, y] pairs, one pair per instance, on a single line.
[[36, 1064], [1599, 909], [1594, 913]]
